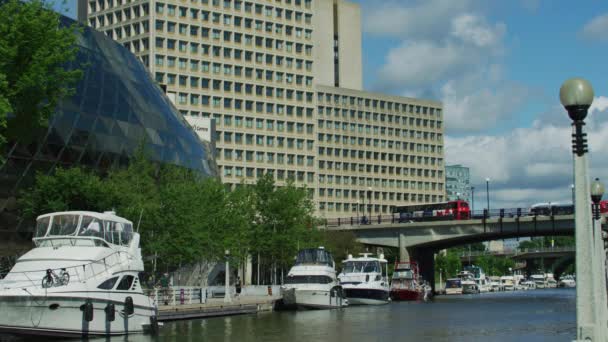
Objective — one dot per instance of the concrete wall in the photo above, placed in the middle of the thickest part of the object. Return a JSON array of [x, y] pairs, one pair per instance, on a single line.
[[349, 43], [323, 37]]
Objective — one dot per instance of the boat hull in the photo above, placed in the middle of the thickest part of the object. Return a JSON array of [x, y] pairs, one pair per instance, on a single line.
[[312, 299], [403, 295], [62, 316], [366, 296]]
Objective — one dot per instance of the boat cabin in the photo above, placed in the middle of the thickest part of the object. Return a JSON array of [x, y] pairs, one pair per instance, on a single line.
[[314, 256], [82, 228]]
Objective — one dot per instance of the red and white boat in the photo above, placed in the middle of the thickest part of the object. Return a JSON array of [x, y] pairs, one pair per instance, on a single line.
[[406, 283]]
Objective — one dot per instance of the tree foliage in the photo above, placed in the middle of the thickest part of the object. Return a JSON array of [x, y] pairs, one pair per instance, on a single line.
[[34, 50], [182, 217]]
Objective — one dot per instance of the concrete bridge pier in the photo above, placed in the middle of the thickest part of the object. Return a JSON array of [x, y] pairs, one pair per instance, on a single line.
[[404, 254], [425, 257]]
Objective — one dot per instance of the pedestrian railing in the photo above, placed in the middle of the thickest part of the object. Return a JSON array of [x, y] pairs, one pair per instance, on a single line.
[[185, 295]]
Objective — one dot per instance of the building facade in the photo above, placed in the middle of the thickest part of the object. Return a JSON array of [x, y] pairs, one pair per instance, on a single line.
[[116, 109], [458, 182], [273, 74]]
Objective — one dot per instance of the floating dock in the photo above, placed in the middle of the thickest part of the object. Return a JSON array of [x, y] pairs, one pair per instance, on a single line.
[[216, 307]]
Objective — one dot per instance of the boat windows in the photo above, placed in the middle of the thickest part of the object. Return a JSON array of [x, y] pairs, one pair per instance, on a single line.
[[314, 256], [91, 226], [42, 225], [108, 284], [118, 233], [125, 283], [453, 283], [361, 267], [63, 225], [308, 279]]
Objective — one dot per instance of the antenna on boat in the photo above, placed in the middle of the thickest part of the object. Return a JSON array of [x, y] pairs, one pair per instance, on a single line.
[[139, 221]]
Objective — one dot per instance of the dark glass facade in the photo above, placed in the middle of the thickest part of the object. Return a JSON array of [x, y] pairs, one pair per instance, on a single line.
[[116, 108]]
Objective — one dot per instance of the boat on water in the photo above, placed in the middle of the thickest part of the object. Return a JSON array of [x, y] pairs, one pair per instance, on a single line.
[[312, 283], [453, 286], [508, 283], [567, 281], [467, 281], [540, 281], [483, 283], [528, 285], [406, 283], [495, 284], [80, 279], [364, 279]]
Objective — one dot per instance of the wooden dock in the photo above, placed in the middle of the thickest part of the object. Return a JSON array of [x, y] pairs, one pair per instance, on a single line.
[[215, 307]]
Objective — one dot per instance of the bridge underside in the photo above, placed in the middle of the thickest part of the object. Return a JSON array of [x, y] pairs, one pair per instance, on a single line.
[[419, 241]]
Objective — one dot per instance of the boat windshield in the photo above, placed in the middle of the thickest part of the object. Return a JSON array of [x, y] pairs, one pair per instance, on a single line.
[[453, 283], [118, 233], [405, 273], [64, 225], [314, 256], [361, 267]]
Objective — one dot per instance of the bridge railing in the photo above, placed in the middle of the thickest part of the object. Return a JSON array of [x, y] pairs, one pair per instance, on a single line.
[[395, 217], [517, 251]]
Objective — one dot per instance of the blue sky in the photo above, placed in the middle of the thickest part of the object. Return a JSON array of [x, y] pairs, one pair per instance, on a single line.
[[497, 67]]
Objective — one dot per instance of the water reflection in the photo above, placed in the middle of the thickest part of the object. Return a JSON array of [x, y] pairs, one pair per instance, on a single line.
[[506, 316]]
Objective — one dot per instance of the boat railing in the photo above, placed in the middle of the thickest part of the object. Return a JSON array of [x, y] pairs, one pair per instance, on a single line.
[[79, 273], [97, 241]]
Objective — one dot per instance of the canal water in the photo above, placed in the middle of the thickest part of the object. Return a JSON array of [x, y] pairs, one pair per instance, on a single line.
[[538, 315]]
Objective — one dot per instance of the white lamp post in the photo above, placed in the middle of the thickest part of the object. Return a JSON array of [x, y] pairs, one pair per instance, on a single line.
[[597, 191], [576, 95], [227, 298]]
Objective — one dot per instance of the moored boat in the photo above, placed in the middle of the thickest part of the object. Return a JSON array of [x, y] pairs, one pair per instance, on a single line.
[[406, 283], [81, 279], [312, 283], [467, 281], [364, 280]]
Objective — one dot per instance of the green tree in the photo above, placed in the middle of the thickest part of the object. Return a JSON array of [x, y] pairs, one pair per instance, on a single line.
[[66, 189], [34, 50], [341, 243]]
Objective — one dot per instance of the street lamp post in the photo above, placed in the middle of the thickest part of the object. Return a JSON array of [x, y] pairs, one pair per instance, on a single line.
[[576, 95], [370, 203], [572, 188], [357, 211], [227, 298], [472, 200], [488, 194], [597, 191]]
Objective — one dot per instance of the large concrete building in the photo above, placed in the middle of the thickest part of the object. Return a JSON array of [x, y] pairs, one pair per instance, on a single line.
[[283, 81]]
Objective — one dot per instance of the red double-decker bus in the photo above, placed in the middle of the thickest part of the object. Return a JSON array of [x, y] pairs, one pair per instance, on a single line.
[[451, 210]]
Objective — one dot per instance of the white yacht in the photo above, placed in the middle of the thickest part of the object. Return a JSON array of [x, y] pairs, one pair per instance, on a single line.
[[508, 283], [312, 283], [467, 280], [80, 279], [567, 281], [483, 283], [495, 284], [453, 286], [364, 279], [539, 280]]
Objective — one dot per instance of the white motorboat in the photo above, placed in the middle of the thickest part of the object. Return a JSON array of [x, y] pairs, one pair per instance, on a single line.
[[539, 280], [508, 283], [528, 285], [81, 279], [453, 286], [567, 281], [469, 286], [364, 280], [312, 283], [483, 284], [495, 284]]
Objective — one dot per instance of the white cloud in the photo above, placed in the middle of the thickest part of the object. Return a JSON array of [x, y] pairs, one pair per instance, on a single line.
[[596, 29], [415, 19], [475, 30], [529, 165]]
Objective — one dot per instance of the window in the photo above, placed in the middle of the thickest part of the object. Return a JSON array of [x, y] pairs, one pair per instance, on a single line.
[[125, 283], [108, 284]]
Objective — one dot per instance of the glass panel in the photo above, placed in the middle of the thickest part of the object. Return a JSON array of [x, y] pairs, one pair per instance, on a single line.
[[91, 226], [42, 226], [108, 284], [125, 283], [64, 225]]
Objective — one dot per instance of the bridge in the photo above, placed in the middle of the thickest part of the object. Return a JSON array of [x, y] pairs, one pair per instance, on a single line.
[[419, 241]]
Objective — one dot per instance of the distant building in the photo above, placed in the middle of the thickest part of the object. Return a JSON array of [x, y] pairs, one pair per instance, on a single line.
[[457, 182]]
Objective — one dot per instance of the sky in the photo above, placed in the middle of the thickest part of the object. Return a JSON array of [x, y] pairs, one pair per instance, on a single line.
[[497, 67]]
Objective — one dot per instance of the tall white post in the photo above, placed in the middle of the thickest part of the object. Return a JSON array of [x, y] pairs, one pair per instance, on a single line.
[[600, 279], [585, 303], [227, 298]]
